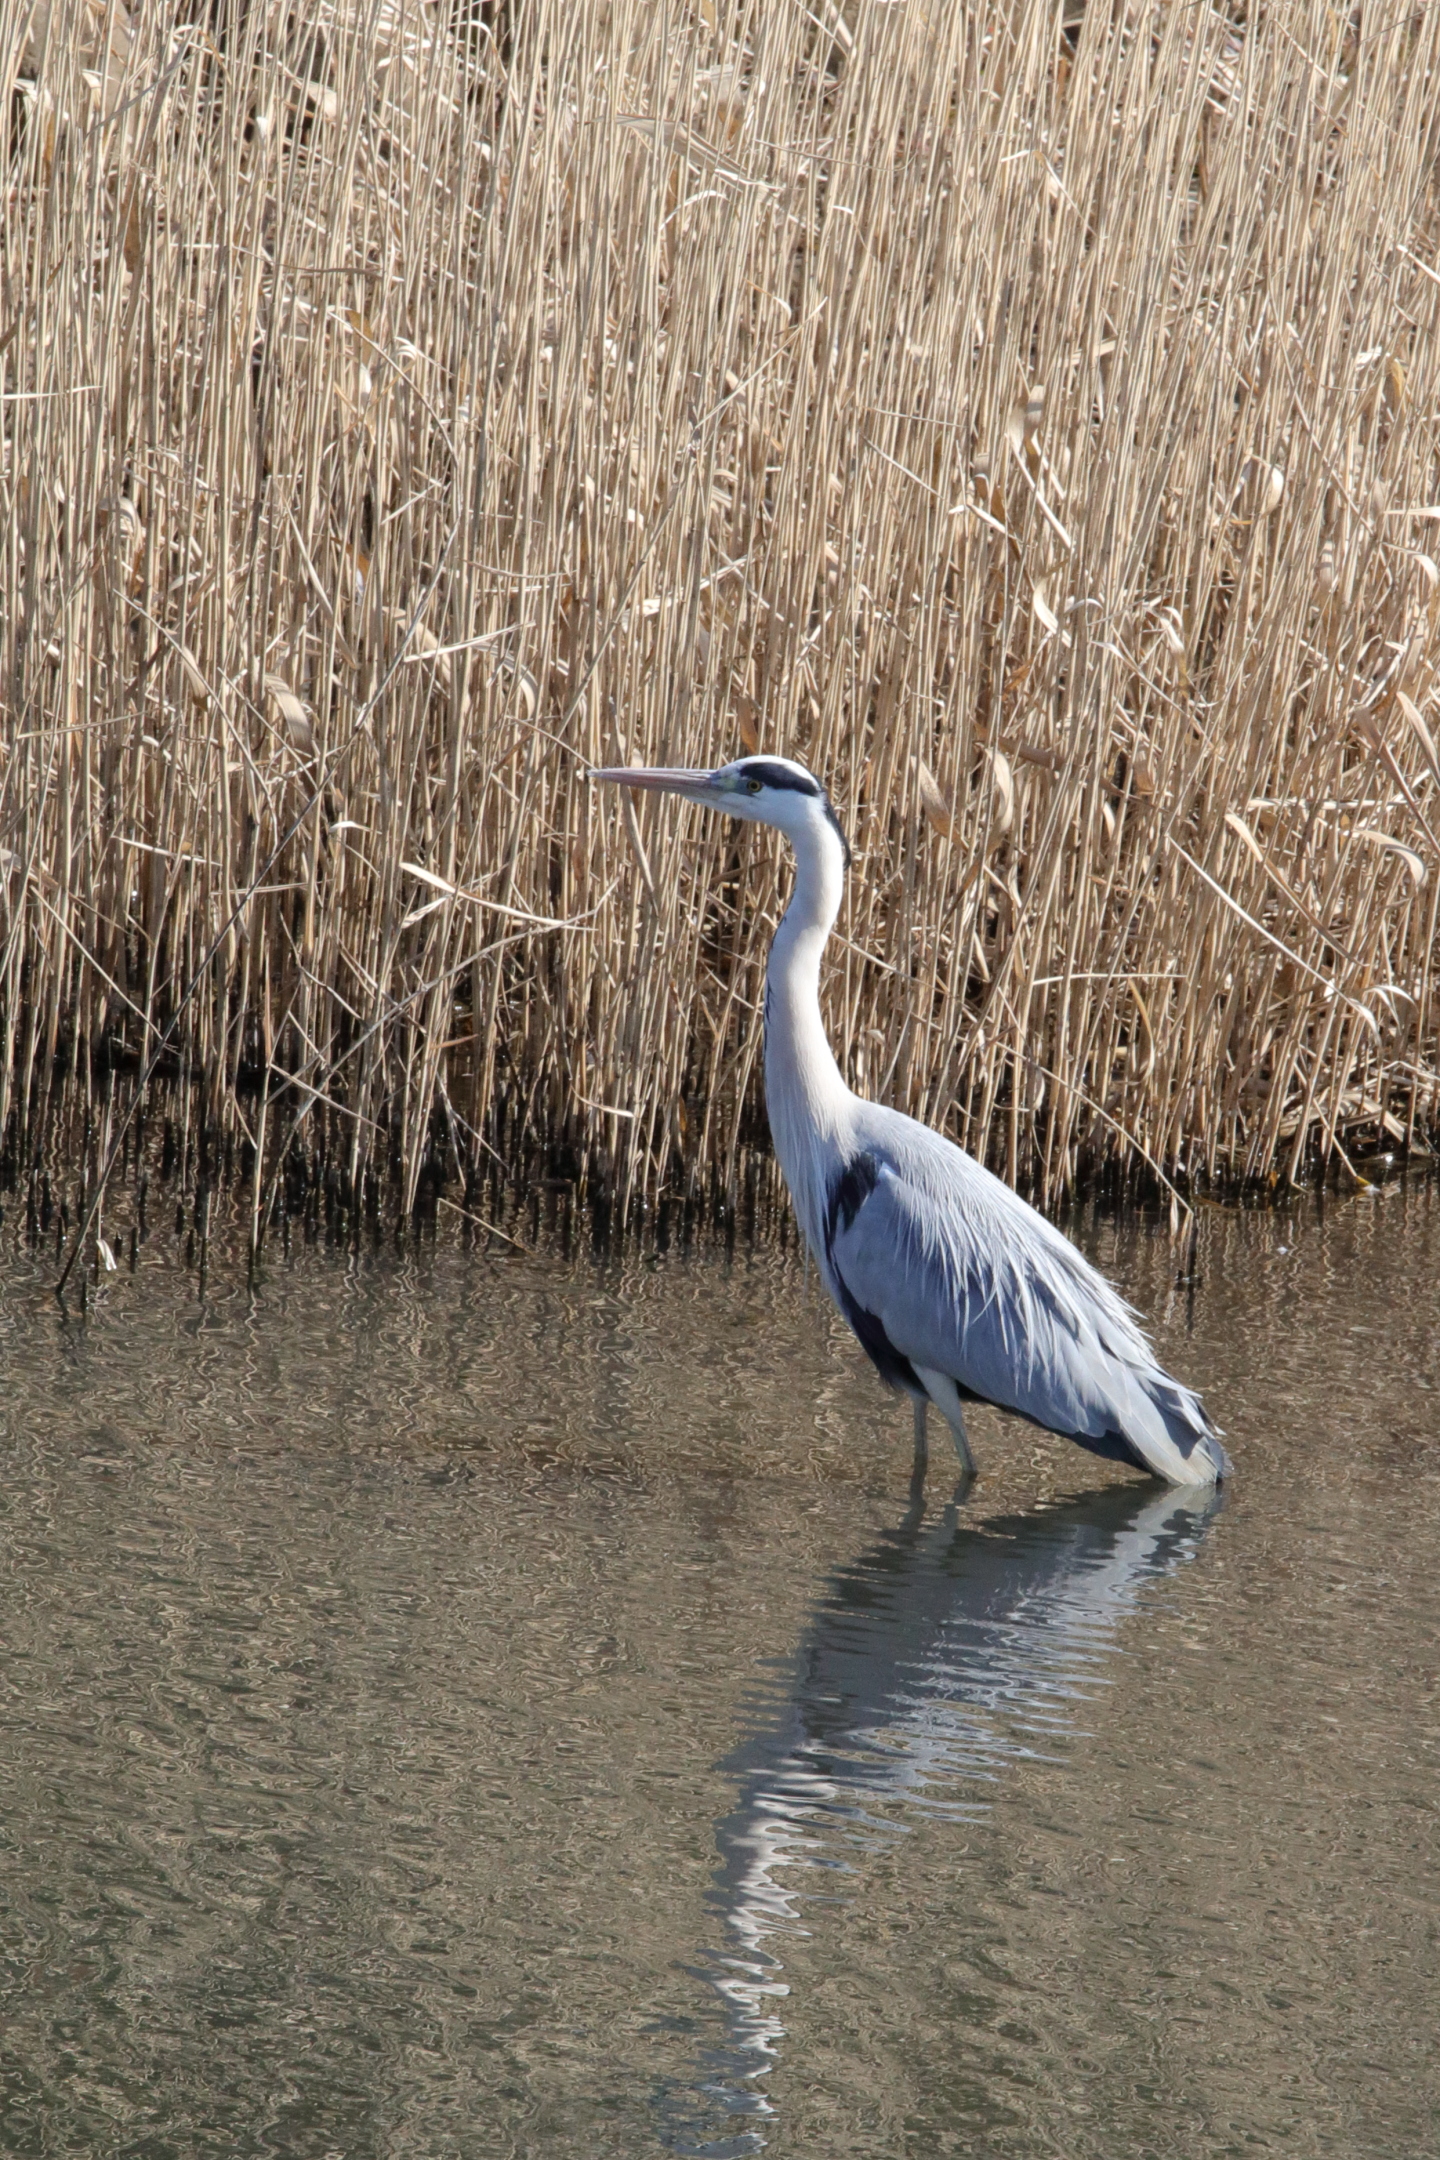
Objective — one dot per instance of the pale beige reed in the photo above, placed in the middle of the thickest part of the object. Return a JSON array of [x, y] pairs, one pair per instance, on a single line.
[[1025, 415]]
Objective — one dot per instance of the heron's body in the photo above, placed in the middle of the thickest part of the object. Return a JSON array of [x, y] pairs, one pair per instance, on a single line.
[[955, 1287]]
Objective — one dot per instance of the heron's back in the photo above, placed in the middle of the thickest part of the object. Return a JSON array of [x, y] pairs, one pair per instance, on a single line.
[[938, 1264]]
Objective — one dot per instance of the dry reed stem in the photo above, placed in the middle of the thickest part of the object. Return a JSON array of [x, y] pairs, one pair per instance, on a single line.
[[1029, 422]]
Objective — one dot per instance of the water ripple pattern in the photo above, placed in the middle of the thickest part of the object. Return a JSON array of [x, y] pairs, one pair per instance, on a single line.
[[465, 1707], [936, 1661]]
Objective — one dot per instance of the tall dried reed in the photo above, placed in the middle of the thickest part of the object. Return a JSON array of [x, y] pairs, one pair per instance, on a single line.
[[1026, 415]]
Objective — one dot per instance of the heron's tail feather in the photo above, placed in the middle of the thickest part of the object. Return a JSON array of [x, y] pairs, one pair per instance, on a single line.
[[1167, 1427]]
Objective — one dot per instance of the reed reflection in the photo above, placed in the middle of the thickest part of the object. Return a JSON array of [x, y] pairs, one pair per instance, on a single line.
[[954, 1647]]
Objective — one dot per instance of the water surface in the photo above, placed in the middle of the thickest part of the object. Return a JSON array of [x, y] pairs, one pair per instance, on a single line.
[[470, 1706]]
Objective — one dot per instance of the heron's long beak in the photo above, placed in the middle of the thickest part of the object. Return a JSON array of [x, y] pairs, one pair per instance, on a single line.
[[697, 785]]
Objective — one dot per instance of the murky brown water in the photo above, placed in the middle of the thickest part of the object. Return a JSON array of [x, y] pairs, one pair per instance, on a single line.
[[479, 1707]]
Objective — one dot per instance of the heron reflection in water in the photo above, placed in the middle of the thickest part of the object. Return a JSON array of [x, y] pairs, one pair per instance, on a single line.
[[957, 1289], [949, 1651]]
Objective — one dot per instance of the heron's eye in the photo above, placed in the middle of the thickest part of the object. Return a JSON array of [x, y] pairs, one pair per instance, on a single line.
[[753, 787]]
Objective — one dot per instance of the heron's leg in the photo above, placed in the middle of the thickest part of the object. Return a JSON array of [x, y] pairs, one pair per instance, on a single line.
[[946, 1397], [922, 1457], [956, 1420]]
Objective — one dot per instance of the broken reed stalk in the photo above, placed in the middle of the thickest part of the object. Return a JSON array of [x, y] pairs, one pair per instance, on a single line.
[[1027, 417]]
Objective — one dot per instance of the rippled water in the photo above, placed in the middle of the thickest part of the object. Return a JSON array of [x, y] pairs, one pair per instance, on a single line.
[[480, 1707]]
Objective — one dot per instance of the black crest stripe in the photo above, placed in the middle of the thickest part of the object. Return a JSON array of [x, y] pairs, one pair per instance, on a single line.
[[775, 775], [780, 776]]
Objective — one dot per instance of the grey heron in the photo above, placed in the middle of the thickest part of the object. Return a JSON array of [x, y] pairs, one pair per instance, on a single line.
[[957, 1289]]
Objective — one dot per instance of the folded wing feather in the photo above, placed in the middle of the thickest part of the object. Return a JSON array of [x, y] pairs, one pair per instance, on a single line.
[[951, 1270]]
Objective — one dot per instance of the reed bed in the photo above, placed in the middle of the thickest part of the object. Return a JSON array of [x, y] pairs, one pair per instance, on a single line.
[[1025, 415]]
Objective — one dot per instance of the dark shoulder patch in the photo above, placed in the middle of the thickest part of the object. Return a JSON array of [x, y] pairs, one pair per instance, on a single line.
[[894, 1369], [851, 1189]]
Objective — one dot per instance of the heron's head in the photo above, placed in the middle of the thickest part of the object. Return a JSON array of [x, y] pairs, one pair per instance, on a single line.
[[762, 790]]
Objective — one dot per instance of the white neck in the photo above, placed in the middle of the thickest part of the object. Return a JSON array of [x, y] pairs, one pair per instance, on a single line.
[[807, 1100]]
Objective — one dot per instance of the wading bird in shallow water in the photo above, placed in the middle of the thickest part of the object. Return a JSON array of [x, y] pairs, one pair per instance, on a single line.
[[958, 1291]]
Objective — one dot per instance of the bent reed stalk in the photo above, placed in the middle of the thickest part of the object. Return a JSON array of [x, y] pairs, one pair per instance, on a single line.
[[1025, 416]]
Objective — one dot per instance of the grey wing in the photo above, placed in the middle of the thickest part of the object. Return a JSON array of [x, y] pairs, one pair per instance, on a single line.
[[935, 1263]]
